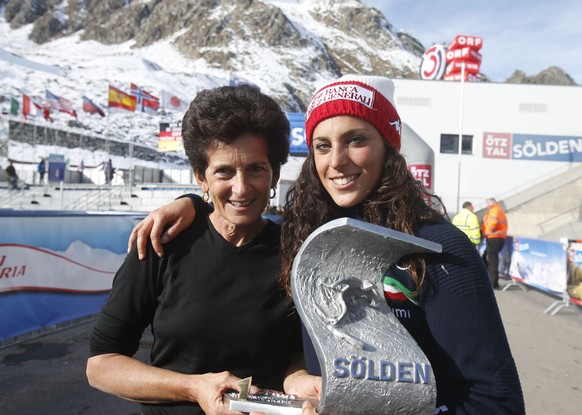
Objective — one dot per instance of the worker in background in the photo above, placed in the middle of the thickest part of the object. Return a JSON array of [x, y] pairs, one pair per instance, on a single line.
[[494, 230], [468, 222]]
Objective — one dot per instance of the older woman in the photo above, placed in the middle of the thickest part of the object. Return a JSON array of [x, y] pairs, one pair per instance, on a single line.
[[214, 305], [445, 301]]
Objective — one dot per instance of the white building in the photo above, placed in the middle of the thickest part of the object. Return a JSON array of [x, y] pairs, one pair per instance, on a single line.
[[515, 135]]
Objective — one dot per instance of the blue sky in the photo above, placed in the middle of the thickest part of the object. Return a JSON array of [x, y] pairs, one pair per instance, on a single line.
[[530, 35]]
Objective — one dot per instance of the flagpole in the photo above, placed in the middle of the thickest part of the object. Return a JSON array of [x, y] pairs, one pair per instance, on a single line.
[[107, 126], [131, 154], [460, 136]]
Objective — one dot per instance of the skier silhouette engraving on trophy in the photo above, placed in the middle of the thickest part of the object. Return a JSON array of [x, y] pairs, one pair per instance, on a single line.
[[370, 364]]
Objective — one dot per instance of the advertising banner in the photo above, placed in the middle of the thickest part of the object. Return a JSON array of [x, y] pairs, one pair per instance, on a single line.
[[56, 171], [461, 60], [297, 143], [422, 173], [433, 63], [574, 268], [55, 266], [532, 147], [170, 137], [541, 264]]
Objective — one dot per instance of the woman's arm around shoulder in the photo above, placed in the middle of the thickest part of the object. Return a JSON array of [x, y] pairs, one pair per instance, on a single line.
[[163, 224]]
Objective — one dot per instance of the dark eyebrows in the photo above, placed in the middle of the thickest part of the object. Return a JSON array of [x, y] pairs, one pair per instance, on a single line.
[[347, 133]]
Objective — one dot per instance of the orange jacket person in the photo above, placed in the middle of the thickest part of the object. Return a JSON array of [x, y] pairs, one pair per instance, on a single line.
[[494, 230]]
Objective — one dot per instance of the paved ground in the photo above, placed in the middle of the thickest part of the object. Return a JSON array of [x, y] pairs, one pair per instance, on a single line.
[[45, 375]]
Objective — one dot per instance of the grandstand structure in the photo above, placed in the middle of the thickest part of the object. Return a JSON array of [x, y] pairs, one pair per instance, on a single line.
[[91, 197], [148, 180]]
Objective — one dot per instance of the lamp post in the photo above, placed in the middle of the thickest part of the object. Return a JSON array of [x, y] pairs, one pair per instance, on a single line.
[[460, 136]]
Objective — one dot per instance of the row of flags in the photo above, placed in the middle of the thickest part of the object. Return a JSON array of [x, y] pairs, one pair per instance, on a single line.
[[137, 99], [33, 107]]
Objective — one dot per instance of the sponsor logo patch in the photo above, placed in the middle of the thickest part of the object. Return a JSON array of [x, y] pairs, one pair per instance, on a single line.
[[350, 92]]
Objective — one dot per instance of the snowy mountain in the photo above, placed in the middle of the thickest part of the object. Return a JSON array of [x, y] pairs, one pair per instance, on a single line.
[[181, 47], [79, 48]]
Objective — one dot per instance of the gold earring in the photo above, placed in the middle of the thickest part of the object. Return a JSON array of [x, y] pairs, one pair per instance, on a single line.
[[205, 196]]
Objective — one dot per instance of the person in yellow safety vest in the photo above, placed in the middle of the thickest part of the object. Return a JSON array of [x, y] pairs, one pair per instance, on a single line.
[[494, 230], [468, 222]]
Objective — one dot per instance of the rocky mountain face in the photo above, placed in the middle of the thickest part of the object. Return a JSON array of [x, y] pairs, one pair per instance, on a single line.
[[315, 40], [318, 39], [551, 76]]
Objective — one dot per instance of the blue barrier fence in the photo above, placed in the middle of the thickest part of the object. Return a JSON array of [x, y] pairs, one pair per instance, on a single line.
[[57, 266]]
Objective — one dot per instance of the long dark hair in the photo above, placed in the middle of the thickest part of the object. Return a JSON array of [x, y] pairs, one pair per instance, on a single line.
[[399, 202]]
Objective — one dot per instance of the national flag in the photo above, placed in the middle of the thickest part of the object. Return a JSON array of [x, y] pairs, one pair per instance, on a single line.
[[59, 103], [170, 137], [39, 107], [25, 106], [46, 113], [119, 99], [173, 102], [14, 106], [145, 101], [92, 108], [35, 108]]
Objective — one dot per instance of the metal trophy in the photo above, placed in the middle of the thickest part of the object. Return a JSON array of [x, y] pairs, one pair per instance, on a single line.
[[369, 362]]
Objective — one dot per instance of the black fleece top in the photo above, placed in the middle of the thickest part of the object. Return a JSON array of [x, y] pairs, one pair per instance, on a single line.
[[456, 322], [211, 306]]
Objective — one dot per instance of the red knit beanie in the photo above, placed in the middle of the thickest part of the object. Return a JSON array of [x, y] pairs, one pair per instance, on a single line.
[[370, 98]]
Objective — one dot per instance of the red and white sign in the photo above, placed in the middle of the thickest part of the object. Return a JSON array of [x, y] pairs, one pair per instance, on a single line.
[[463, 57], [464, 54], [461, 41], [457, 67], [457, 76], [433, 62], [497, 145], [422, 173]]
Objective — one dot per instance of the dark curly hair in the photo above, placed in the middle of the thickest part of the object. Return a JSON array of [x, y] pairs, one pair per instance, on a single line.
[[399, 202], [224, 114]]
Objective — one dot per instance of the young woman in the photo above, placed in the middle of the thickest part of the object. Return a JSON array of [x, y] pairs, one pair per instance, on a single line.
[[444, 300]]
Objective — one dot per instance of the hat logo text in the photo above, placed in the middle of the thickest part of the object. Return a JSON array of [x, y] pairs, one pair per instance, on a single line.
[[347, 92]]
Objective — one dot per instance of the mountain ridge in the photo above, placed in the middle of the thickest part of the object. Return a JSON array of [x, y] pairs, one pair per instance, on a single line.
[[286, 49], [312, 41]]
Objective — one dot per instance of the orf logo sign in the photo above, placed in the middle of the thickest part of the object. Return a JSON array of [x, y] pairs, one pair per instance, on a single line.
[[497, 145], [433, 63]]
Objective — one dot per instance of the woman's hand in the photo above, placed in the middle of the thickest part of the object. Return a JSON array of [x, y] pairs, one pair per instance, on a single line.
[[304, 385], [210, 389], [308, 409], [300, 383], [178, 215]]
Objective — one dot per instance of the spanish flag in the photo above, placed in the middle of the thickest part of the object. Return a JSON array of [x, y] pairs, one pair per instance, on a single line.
[[119, 99]]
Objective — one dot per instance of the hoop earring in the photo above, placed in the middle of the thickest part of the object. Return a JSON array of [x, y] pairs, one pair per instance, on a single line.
[[205, 196], [273, 193]]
